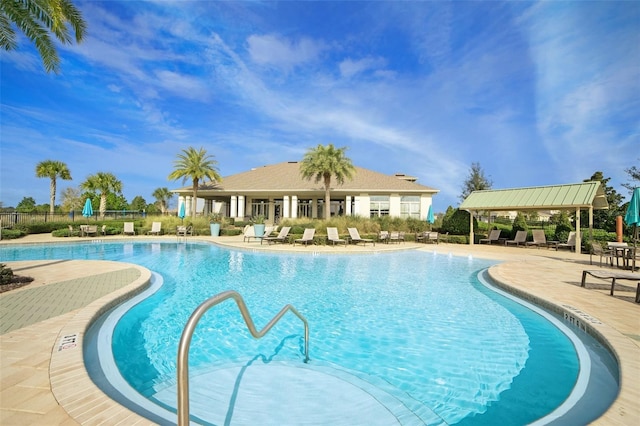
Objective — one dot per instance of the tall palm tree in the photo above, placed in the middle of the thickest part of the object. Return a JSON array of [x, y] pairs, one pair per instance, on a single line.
[[53, 170], [163, 196], [105, 184], [323, 162], [38, 19], [198, 166]]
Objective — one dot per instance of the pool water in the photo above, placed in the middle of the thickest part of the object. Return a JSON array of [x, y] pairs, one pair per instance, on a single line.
[[416, 325]]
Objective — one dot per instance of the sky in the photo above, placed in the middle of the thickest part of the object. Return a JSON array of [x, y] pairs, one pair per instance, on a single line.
[[536, 93]]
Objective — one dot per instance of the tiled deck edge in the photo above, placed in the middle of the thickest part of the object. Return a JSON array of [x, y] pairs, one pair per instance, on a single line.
[[625, 351], [70, 382]]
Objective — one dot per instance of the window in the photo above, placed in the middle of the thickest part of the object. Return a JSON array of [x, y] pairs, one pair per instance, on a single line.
[[260, 208], [410, 206], [379, 205]]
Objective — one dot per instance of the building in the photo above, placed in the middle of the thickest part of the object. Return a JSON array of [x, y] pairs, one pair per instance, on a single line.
[[278, 191]]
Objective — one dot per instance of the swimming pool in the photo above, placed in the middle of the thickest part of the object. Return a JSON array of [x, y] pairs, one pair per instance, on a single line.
[[414, 330]]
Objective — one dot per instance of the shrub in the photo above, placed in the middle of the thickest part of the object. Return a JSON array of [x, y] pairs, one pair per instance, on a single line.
[[6, 274], [519, 224], [12, 234], [458, 223]]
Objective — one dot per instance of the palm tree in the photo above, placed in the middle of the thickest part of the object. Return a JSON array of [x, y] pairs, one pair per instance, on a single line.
[[195, 165], [323, 162], [105, 184], [53, 170], [163, 196], [38, 19]]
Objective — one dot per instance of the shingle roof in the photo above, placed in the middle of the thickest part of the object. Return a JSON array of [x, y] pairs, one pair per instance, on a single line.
[[555, 197], [286, 177]]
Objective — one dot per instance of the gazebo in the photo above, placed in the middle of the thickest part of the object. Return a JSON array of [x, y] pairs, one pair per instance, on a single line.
[[576, 196]]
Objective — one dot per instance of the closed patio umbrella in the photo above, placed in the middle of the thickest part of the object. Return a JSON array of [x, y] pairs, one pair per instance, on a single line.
[[632, 217], [181, 211], [430, 217], [87, 211]]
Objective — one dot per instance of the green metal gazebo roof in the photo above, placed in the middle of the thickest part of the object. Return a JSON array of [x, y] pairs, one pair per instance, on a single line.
[[554, 197]]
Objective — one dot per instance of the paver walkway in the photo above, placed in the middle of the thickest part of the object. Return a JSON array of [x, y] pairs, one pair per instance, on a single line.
[[32, 305]]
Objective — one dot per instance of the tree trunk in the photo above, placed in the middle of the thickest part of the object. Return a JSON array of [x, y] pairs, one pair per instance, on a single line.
[[327, 196], [103, 205], [52, 196], [194, 199]]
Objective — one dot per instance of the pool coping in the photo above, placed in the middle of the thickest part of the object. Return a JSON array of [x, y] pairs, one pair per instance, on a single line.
[[85, 403]]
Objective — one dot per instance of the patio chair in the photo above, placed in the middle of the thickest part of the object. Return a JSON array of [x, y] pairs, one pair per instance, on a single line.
[[520, 238], [333, 237], [394, 237], [156, 227], [570, 244], [539, 239], [494, 236], [282, 236], [128, 229], [248, 233], [383, 236], [268, 230], [597, 250], [307, 237], [184, 231], [354, 237]]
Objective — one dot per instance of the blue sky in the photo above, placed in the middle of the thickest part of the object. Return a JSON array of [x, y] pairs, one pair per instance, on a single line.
[[538, 93]]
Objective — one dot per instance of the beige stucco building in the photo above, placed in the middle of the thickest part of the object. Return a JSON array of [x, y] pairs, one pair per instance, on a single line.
[[278, 191]]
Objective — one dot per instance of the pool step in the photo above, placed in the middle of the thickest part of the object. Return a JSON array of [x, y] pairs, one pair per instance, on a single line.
[[277, 393]]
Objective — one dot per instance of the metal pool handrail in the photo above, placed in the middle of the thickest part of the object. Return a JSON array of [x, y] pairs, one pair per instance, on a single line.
[[187, 334]]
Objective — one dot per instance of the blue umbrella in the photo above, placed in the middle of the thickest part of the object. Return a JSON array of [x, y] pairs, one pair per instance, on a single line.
[[87, 211], [632, 217], [430, 218], [181, 211]]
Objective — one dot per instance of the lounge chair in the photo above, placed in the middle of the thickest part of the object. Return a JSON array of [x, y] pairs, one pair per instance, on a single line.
[[282, 236], [128, 229], [540, 239], [334, 238], [597, 250], [520, 238], [248, 233], [613, 276], [307, 237], [156, 227], [494, 236], [383, 236], [571, 242], [354, 237]]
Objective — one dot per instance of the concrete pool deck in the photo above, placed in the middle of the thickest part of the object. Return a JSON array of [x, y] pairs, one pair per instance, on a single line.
[[42, 375]]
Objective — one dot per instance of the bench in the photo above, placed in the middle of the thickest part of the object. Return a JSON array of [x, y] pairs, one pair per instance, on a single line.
[[613, 276]]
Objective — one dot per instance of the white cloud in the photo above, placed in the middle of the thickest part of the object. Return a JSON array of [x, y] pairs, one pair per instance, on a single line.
[[350, 67], [282, 53]]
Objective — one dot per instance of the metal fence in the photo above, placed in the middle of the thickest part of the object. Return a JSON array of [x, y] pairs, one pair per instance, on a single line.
[[16, 218]]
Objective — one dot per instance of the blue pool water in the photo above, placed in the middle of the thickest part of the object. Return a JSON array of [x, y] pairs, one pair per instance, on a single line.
[[419, 326]]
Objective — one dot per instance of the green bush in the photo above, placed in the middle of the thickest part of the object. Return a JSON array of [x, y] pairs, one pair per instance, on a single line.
[[562, 232], [519, 224], [6, 274], [458, 223], [12, 234]]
